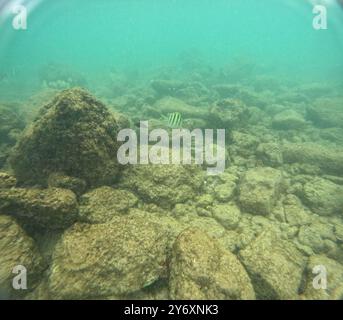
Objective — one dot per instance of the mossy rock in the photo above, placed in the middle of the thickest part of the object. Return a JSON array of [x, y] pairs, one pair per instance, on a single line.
[[40, 208], [74, 134], [117, 258], [202, 269]]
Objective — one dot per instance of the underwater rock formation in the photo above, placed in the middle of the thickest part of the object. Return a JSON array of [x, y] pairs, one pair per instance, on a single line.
[[329, 160], [40, 208], [260, 189], [116, 258], [17, 249], [326, 112], [229, 114], [61, 181], [295, 213], [274, 265], [76, 135], [270, 153], [201, 269], [228, 215], [288, 120], [102, 204], [164, 185], [322, 196]]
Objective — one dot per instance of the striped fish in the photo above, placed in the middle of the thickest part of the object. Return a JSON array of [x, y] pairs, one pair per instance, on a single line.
[[174, 120]]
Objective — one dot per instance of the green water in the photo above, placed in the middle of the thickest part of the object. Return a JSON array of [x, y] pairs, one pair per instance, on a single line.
[[92, 37]]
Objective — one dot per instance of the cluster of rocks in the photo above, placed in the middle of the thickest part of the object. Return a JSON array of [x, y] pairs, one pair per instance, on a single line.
[[87, 228]]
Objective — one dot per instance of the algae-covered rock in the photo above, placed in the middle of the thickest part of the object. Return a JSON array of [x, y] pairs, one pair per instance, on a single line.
[[229, 113], [121, 257], [321, 268], [274, 265], [102, 204], [326, 112], [322, 196], [295, 214], [201, 269], [228, 215], [209, 225], [7, 181], [59, 180], [288, 120], [165, 185], [41, 208], [270, 153], [329, 160], [17, 249], [260, 189], [74, 134], [316, 236]]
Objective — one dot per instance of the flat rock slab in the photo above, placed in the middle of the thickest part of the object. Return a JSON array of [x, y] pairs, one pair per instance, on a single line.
[[115, 258]]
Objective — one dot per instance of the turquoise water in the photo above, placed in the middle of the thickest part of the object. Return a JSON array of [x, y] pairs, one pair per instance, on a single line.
[[87, 227], [134, 35]]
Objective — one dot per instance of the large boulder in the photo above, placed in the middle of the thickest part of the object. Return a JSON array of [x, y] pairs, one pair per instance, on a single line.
[[117, 258], [274, 265], [40, 208], [202, 269], [17, 249], [260, 189], [74, 134]]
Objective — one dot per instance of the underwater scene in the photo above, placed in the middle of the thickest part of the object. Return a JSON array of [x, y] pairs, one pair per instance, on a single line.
[[171, 150]]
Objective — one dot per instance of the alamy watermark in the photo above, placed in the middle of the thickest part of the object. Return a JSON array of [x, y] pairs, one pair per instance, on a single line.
[[183, 147], [19, 22], [319, 22], [19, 282], [320, 280]]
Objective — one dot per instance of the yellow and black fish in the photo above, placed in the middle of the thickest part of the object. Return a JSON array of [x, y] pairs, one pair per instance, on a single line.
[[174, 120]]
